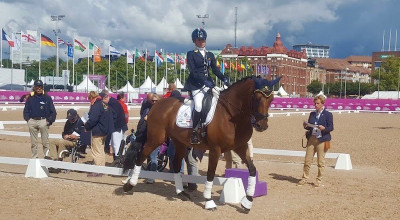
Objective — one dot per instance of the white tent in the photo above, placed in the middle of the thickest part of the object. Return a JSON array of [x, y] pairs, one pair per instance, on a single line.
[[382, 95], [31, 82], [128, 88], [178, 83], [147, 86], [162, 85], [281, 92], [86, 86]]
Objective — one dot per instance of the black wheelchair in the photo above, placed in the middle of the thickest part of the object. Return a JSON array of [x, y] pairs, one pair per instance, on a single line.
[[79, 149]]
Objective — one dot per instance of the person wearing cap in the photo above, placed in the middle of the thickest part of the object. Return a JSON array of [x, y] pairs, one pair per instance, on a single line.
[[101, 124], [40, 113], [73, 128], [200, 61]]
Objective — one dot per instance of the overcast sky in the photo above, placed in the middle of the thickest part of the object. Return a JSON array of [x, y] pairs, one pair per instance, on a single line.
[[349, 27]]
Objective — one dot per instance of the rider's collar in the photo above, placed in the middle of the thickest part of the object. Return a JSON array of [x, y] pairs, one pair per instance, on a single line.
[[201, 49]]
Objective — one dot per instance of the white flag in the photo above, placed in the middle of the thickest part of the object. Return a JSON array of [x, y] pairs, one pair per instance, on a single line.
[[17, 43], [129, 56], [114, 51]]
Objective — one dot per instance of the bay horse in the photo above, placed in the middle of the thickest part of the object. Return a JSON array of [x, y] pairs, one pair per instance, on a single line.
[[241, 107]]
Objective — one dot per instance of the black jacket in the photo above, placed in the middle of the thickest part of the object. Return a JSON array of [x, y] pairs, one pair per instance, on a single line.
[[326, 120], [196, 64], [70, 127], [40, 106], [100, 119], [118, 115]]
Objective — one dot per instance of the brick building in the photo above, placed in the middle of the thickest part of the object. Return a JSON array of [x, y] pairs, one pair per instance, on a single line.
[[272, 62]]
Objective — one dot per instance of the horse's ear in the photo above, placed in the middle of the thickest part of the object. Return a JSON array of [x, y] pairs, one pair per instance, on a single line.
[[275, 81]]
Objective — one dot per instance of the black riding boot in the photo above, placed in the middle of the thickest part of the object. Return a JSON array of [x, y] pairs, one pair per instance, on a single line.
[[195, 137]]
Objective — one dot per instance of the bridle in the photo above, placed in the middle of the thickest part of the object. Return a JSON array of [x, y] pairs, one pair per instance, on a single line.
[[255, 115]]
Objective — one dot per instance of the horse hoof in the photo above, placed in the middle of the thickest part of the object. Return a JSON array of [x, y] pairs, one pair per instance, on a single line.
[[127, 187], [184, 196], [245, 210]]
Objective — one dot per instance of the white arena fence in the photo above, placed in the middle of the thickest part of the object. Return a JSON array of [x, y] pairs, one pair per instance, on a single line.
[[233, 189]]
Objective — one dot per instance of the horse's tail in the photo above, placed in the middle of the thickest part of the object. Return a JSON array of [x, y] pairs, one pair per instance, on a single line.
[[132, 154]]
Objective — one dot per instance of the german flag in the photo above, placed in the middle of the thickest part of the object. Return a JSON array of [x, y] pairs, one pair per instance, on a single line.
[[47, 41]]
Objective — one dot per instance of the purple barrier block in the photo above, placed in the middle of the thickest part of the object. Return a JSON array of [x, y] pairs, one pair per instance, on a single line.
[[261, 187]]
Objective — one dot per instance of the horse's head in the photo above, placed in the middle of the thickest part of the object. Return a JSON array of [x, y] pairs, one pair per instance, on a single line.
[[260, 102]]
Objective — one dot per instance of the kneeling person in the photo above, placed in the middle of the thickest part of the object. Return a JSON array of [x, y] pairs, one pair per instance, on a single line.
[[73, 124]]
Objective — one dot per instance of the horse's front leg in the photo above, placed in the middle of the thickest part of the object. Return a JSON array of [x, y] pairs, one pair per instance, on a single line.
[[214, 155], [134, 176], [247, 201]]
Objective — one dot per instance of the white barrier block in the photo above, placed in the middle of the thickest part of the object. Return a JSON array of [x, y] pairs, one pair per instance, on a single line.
[[343, 162], [340, 112], [36, 170], [303, 113], [297, 109], [4, 109], [233, 191], [13, 109], [1, 125], [288, 114], [271, 115]]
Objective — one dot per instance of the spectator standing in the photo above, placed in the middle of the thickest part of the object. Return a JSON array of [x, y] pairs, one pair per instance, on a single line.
[[121, 100], [40, 113], [100, 123]]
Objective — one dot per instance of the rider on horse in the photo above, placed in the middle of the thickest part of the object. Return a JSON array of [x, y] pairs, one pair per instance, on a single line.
[[199, 82]]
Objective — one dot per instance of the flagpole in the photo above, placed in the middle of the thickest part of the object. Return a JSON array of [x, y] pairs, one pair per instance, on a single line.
[[145, 66], [73, 64], [176, 73], [20, 62], [1, 53], [166, 76], [155, 67], [40, 55], [109, 65], [88, 49], [134, 69], [93, 60], [127, 76]]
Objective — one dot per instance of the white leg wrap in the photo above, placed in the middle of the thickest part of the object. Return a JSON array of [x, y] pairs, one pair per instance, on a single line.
[[246, 203], [207, 190], [210, 204], [251, 186], [135, 176], [178, 183]]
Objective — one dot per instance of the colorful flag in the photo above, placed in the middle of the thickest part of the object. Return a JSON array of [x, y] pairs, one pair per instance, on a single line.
[[91, 46], [222, 67], [78, 45], [97, 55], [138, 55], [44, 40], [218, 64], [114, 51], [61, 42], [226, 65], [70, 50], [169, 58], [7, 38], [129, 56], [158, 58], [28, 38]]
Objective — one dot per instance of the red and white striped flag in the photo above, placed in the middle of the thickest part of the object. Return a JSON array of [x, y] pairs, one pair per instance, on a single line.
[[61, 42]]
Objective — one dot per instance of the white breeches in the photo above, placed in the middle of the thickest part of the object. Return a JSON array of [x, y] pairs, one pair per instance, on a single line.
[[198, 96], [116, 138]]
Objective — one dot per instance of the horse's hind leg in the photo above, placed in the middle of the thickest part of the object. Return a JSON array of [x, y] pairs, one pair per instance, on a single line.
[[247, 201], [214, 155]]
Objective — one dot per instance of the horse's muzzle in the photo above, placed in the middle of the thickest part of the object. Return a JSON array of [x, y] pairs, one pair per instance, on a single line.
[[260, 127]]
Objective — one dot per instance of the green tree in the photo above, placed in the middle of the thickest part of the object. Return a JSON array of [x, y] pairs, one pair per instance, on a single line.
[[388, 74], [314, 87]]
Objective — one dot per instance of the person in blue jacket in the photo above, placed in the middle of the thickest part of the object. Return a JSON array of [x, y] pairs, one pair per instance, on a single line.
[[200, 61], [40, 113], [319, 127], [101, 124]]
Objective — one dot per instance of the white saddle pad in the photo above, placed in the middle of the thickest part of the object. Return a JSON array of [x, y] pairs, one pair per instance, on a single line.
[[184, 116]]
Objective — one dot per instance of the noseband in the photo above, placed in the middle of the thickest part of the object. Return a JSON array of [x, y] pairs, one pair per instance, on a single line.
[[257, 116]]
